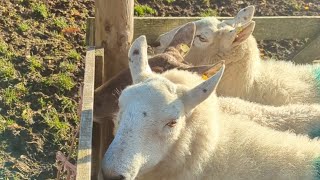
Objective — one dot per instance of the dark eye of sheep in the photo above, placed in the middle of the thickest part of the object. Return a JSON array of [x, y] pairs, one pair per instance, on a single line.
[[172, 123], [202, 39]]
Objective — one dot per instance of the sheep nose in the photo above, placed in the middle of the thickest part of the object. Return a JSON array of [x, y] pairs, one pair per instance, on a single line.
[[119, 177]]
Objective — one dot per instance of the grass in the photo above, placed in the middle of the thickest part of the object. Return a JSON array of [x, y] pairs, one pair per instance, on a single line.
[[40, 10], [170, 1], [35, 64], [73, 54], [67, 66], [39, 73], [23, 27], [209, 12], [10, 96], [3, 123], [51, 117], [295, 4], [62, 81], [60, 22], [27, 115], [142, 10], [7, 69], [67, 104], [3, 48], [206, 2]]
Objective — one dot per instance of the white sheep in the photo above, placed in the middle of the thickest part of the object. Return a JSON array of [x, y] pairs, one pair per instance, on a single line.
[[168, 130], [247, 76], [296, 118]]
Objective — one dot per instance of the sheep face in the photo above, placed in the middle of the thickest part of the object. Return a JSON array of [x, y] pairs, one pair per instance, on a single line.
[[214, 40], [150, 119], [152, 114]]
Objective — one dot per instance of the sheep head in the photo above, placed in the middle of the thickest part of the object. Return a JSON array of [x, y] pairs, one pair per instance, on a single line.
[[152, 113], [215, 39], [106, 96]]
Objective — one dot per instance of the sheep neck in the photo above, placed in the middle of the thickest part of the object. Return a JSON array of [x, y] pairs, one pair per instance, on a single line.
[[241, 66], [192, 153]]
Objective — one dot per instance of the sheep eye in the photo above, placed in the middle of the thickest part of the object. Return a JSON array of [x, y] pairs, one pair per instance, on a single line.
[[202, 39], [172, 123]]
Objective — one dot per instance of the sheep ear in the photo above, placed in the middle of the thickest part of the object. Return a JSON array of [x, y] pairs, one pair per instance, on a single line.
[[183, 38], [164, 40], [201, 92], [243, 17], [243, 33], [138, 60]]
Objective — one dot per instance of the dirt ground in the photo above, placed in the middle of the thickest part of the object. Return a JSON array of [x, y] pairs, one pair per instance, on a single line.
[[42, 46]]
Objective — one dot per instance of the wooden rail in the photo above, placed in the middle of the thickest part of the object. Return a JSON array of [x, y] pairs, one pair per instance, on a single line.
[[267, 28], [84, 162], [86, 123]]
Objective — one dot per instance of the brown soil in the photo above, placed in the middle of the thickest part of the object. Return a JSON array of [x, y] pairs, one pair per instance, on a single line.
[[41, 118]]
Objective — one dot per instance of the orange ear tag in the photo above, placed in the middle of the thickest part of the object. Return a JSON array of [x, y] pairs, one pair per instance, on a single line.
[[239, 29], [185, 48], [204, 77]]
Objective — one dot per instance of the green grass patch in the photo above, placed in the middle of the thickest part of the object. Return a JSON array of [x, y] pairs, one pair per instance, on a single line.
[[35, 64], [67, 66], [294, 4], [142, 10], [51, 117], [4, 123], [42, 102], [60, 22], [170, 1], [3, 48], [40, 10], [23, 27], [27, 115], [206, 2], [68, 104], [7, 69], [10, 96], [21, 88], [209, 12], [73, 54], [62, 81]]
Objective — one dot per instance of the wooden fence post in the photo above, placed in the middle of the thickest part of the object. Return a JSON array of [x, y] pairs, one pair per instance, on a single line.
[[114, 32]]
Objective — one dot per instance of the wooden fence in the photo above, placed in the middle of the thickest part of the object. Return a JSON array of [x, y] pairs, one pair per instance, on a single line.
[[267, 28]]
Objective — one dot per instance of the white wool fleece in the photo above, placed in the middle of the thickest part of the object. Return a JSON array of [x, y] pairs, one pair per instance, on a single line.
[[245, 150], [247, 76]]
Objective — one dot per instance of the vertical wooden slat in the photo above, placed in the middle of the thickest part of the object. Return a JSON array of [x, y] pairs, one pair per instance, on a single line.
[[99, 67], [90, 30], [95, 165], [86, 123]]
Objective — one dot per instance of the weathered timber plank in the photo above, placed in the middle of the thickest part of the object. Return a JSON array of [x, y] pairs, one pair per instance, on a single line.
[[86, 123], [98, 79], [267, 28], [310, 52], [90, 31], [114, 32]]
